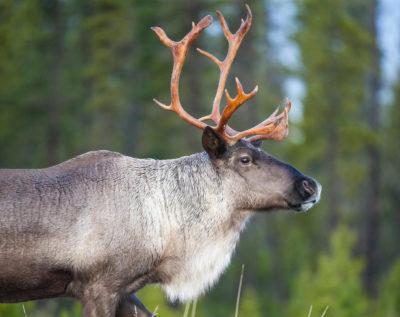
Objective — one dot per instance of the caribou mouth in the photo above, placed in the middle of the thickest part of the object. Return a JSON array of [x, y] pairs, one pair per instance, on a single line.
[[303, 206]]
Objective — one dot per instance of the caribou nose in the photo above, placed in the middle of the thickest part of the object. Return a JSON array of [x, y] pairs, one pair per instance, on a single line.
[[307, 188]]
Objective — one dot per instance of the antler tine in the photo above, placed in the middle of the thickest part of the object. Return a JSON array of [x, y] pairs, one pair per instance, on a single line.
[[234, 41], [179, 51], [232, 105], [274, 128]]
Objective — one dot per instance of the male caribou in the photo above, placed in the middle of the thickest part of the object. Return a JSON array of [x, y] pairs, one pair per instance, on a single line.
[[102, 225]]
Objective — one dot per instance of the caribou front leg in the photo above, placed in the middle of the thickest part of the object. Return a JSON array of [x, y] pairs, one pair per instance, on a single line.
[[131, 306], [97, 301]]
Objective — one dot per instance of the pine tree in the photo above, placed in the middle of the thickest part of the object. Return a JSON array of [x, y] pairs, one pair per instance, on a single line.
[[22, 84], [107, 45], [389, 293], [374, 153], [335, 57], [336, 282], [390, 235]]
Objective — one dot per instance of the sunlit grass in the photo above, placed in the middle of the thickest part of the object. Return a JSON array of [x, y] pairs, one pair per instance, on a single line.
[[323, 313], [239, 291]]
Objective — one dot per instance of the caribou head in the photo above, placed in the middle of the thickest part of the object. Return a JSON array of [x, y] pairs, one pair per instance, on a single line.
[[269, 183]]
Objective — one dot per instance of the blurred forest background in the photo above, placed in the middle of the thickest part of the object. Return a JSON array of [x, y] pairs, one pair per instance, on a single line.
[[80, 75]]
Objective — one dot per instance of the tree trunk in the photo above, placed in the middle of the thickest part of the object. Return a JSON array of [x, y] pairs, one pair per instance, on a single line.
[[333, 178], [374, 155]]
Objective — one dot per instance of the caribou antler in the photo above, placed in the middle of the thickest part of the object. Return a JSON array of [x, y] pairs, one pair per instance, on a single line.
[[275, 127]]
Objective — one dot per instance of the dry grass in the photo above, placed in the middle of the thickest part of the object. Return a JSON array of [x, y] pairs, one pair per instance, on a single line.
[[323, 313], [239, 291], [24, 310]]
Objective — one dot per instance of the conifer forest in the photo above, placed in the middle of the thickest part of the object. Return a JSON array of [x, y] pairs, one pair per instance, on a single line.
[[77, 76]]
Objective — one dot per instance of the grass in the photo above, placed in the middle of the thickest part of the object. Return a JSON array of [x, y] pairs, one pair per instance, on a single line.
[[23, 308], [194, 308], [154, 314], [239, 291], [323, 313], [187, 308]]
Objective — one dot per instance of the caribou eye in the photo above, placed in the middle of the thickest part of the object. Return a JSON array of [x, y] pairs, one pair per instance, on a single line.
[[245, 160]]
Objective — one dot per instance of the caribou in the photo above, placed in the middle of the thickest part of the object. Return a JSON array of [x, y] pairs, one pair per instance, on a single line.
[[102, 225]]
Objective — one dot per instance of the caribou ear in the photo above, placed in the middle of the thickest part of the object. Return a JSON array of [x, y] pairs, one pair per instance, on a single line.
[[213, 144], [257, 143]]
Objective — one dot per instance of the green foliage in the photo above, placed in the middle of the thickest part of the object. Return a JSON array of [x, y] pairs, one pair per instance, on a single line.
[[389, 299], [249, 305], [16, 310], [391, 189], [74, 311], [154, 299], [336, 281]]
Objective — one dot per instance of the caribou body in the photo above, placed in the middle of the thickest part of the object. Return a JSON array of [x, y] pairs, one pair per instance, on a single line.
[[102, 225]]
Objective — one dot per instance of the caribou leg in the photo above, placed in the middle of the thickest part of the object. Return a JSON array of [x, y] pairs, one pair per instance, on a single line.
[[131, 306], [98, 301]]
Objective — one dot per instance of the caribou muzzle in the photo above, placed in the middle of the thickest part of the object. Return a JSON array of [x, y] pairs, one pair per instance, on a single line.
[[308, 191]]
